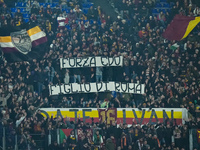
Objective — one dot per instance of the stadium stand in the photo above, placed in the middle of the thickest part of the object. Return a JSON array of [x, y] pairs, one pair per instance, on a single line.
[[169, 70]]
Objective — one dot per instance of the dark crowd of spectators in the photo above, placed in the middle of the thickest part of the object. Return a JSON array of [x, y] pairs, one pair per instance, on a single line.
[[134, 137], [169, 70]]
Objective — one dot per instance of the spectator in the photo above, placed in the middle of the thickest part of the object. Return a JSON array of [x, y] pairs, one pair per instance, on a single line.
[[196, 11], [18, 14], [4, 9], [28, 6], [99, 74], [67, 77], [161, 18], [92, 13], [98, 139], [48, 11], [4, 99], [36, 4], [72, 140], [109, 144], [177, 136], [51, 72], [54, 146]]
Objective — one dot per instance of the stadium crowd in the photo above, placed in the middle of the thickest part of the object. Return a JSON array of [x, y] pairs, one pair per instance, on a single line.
[[170, 72]]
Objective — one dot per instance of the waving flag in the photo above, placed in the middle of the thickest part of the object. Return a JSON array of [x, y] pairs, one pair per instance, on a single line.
[[64, 133], [22, 43], [180, 27]]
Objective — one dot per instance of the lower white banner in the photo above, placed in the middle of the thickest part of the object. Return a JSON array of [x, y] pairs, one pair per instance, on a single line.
[[74, 88]]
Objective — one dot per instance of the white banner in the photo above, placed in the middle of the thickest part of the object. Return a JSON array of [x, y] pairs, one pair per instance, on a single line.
[[74, 88], [98, 61]]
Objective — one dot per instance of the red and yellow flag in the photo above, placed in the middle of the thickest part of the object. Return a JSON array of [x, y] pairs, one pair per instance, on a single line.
[[180, 27]]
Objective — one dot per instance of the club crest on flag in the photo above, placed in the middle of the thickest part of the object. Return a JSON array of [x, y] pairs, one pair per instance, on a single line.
[[22, 41]]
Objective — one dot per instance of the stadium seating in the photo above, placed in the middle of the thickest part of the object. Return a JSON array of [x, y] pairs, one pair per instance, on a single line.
[[155, 11], [13, 10], [91, 21], [87, 5], [26, 20], [158, 5], [163, 0], [67, 10], [22, 7], [172, 4], [163, 6], [22, 10], [48, 4], [68, 27], [163, 10], [42, 4], [166, 5], [25, 15], [20, 4], [85, 10], [54, 5]]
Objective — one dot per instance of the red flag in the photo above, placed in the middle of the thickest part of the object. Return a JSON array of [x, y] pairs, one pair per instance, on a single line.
[[180, 27]]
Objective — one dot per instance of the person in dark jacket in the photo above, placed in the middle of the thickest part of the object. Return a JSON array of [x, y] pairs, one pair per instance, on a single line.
[[72, 140], [92, 13], [161, 133], [83, 143], [124, 142], [109, 144], [168, 135], [54, 146], [64, 145]]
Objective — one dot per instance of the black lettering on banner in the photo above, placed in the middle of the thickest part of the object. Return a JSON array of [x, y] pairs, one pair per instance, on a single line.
[[50, 90], [81, 88], [97, 87], [67, 91], [112, 60], [142, 118], [106, 84], [136, 118], [72, 64], [119, 60], [59, 114], [153, 114], [123, 90], [45, 113], [85, 62], [72, 89], [86, 87], [135, 115], [60, 89], [75, 113], [86, 117], [130, 89], [124, 115], [78, 62], [62, 62], [117, 85], [102, 62], [93, 62], [140, 89], [165, 116]]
